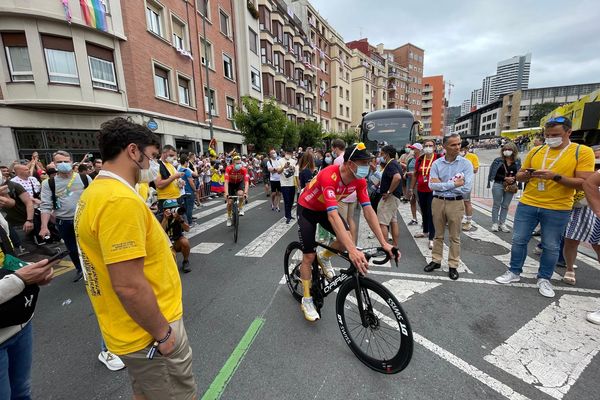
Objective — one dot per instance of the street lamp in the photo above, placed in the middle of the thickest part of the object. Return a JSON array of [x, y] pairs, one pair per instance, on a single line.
[[209, 96], [321, 95]]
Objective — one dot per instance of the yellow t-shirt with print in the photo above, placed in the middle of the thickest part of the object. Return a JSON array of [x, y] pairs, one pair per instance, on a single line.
[[172, 189], [555, 196], [472, 157], [113, 224]]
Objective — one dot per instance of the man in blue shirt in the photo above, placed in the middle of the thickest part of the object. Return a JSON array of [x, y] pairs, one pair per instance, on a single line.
[[451, 178], [187, 200]]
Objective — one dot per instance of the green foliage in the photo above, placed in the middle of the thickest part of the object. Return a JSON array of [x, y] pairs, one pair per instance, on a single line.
[[349, 136], [261, 126], [291, 135], [311, 134], [537, 112]]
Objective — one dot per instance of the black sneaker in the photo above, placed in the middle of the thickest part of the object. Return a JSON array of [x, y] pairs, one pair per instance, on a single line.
[[78, 276], [431, 266], [185, 266]]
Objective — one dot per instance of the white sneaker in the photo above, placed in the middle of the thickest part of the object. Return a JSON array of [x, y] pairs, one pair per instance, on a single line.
[[112, 361], [594, 317], [494, 227], [467, 227], [241, 212], [327, 268], [309, 310], [508, 277], [504, 228], [229, 222], [545, 288]]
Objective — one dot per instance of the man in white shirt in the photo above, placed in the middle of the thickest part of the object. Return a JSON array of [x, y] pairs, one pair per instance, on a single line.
[[275, 180], [29, 183], [288, 181]]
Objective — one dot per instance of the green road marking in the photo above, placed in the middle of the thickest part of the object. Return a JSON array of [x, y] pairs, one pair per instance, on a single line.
[[217, 387]]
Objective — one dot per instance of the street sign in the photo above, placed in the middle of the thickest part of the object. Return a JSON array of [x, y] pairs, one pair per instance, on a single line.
[[152, 125]]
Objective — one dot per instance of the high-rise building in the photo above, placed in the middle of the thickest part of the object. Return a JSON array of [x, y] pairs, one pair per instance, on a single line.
[[488, 88], [476, 99], [451, 114], [512, 74], [465, 107], [433, 105]]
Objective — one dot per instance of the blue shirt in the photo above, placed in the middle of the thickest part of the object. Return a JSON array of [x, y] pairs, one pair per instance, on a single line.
[[445, 172], [187, 174]]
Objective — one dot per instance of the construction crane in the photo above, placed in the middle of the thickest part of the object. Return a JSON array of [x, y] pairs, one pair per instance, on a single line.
[[450, 86]]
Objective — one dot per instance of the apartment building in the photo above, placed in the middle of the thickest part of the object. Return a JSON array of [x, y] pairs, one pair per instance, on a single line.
[[247, 49], [397, 83], [61, 76], [411, 58], [482, 123], [289, 73], [434, 105]]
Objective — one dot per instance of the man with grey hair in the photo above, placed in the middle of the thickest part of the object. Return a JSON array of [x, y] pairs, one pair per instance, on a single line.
[[60, 196]]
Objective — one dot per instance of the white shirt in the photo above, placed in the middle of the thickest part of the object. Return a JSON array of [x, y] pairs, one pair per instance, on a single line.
[[31, 185], [287, 182], [274, 176]]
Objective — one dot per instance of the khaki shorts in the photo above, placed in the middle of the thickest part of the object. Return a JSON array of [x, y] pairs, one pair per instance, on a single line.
[[164, 377], [346, 210], [387, 210]]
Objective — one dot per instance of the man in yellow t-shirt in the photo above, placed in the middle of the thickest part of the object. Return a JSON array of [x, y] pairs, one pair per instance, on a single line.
[[167, 181], [131, 276], [553, 172], [474, 160]]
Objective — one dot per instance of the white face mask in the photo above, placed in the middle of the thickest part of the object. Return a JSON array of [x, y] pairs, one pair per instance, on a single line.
[[554, 141], [171, 160], [428, 150], [507, 153], [150, 174]]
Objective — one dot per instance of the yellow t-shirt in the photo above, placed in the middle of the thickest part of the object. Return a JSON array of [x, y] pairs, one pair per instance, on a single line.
[[472, 157], [172, 189], [143, 188], [555, 196], [113, 224]]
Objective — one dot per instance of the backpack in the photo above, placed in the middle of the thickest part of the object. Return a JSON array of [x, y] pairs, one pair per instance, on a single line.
[[52, 186]]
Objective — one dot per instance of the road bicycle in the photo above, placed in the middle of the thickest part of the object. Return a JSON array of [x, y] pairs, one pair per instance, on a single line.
[[370, 318], [235, 216]]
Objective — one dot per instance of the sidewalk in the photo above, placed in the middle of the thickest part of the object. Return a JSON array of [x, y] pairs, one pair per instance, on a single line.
[[485, 203]]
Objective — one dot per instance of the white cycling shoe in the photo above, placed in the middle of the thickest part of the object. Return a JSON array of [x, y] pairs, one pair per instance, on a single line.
[[308, 308]]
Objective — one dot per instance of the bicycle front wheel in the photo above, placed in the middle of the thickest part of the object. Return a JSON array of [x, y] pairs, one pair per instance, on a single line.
[[385, 344], [236, 221]]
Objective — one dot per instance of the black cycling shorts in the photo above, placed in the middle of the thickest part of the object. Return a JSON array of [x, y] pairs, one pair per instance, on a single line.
[[307, 227], [275, 186], [234, 187]]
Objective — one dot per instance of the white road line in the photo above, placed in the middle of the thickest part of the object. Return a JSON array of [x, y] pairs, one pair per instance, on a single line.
[[552, 350], [205, 248], [201, 228], [405, 289], [263, 243], [423, 243]]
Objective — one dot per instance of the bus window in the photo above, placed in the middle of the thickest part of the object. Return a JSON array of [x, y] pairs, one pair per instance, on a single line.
[[394, 131]]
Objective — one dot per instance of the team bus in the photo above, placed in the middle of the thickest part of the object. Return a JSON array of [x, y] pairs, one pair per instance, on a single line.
[[392, 126]]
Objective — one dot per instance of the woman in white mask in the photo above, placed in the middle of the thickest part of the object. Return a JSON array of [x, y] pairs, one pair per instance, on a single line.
[[503, 172]]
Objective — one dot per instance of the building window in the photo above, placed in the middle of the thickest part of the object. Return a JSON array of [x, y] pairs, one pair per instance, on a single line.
[[347, 95], [206, 53], [255, 78], [60, 59], [102, 67], [154, 18], [213, 101], [19, 64], [184, 91], [266, 52], [203, 8], [347, 112], [227, 66], [161, 82], [253, 38], [230, 107], [224, 18], [341, 110], [180, 40], [264, 18]]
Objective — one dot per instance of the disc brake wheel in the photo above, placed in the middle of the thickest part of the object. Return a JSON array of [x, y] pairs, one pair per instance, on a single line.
[[291, 269]]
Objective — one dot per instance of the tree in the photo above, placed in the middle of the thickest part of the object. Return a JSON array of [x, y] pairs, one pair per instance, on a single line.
[[311, 134], [349, 136], [291, 135], [537, 112], [261, 126]]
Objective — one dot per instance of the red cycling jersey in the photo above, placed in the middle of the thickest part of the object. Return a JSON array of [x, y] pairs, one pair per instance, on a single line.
[[236, 176], [327, 188]]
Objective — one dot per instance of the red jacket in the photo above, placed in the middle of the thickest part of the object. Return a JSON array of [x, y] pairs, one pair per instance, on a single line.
[[422, 170]]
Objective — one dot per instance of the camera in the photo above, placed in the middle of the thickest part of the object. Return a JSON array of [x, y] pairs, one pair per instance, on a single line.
[[179, 210]]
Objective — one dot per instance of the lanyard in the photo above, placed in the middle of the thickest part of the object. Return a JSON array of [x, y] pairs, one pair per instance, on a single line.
[[68, 188], [428, 166], [391, 159], [556, 159]]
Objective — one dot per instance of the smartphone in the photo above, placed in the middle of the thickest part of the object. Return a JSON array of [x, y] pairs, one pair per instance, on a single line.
[[58, 256]]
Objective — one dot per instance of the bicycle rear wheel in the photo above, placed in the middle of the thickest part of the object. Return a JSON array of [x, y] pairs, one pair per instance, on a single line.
[[291, 268], [235, 220], [386, 344]]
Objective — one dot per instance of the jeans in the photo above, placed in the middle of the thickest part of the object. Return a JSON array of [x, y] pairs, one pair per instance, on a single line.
[[553, 224], [15, 366], [425, 199], [502, 200], [187, 200], [66, 230], [288, 193]]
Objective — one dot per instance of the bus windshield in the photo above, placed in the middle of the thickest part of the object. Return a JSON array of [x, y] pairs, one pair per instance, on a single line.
[[394, 131]]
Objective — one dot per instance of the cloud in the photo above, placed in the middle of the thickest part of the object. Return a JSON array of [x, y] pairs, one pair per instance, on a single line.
[[465, 40]]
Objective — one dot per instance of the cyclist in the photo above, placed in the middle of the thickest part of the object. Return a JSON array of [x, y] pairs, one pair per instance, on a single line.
[[236, 184], [318, 204]]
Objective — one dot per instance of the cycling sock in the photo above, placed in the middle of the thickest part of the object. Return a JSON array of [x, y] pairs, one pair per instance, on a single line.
[[229, 214], [469, 218], [326, 253], [306, 285]]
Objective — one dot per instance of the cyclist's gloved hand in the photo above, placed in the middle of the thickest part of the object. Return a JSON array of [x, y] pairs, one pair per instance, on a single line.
[[359, 260]]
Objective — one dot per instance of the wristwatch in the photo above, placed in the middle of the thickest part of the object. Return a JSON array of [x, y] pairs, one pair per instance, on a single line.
[[557, 178]]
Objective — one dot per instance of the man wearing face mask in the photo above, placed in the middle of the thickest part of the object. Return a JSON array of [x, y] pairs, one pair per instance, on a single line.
[[167, 182], [131, 275], [474, 160], [318, 204], [275, 179], [59, 197], [391, 192], [236, 184], [553, 172]]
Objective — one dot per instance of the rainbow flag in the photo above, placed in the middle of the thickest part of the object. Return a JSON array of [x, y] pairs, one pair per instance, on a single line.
[[93, 14]]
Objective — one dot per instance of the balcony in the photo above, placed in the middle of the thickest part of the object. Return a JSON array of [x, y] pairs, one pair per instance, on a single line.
[[266, 35], [291, 84], [427, 97]]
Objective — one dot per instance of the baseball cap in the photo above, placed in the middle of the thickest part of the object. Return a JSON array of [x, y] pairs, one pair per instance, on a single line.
[[417, 146], [171, 203], [357, 151]]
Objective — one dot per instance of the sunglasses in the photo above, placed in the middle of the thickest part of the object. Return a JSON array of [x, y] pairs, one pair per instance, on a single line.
[[359, 146], [556, 120]]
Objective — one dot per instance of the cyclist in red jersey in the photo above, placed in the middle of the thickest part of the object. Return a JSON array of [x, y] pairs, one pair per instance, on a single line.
[[236, 184], [318, 204]]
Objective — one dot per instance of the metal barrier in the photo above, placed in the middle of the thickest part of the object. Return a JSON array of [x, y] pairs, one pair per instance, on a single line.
[[480, 183]]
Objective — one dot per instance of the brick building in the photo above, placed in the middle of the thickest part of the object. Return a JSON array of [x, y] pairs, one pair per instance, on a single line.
[[433, 105]]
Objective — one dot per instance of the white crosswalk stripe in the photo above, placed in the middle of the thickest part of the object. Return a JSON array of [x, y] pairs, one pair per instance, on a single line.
[[203, 227], [205, 248], [263, 243]]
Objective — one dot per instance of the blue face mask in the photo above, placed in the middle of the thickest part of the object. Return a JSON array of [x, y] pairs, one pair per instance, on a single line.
[[237, 167], [362, 171], [64, 167]]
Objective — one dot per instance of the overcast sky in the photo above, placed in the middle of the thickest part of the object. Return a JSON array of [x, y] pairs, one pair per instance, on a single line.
[[464, 40]]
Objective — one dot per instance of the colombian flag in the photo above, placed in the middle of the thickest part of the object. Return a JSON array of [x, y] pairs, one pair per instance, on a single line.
[[217, 185], [93, 14]]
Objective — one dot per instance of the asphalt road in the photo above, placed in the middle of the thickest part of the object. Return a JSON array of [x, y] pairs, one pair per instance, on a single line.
[[475, 339]]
